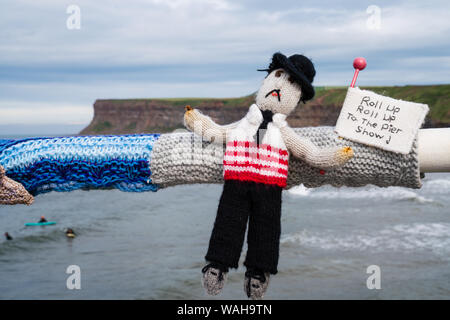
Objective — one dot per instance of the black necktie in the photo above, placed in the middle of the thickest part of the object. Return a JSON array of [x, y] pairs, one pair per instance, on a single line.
[[267, 117]]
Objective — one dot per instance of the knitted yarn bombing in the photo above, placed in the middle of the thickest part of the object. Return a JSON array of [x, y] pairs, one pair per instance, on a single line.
[[247, 161], [69, 163]]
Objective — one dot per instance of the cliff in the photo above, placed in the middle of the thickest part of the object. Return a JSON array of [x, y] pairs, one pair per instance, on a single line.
[[165, 115]]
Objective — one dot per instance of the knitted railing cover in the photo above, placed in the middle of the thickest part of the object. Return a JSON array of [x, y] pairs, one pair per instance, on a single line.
[[148, 162], [69, 163], [180, 158]]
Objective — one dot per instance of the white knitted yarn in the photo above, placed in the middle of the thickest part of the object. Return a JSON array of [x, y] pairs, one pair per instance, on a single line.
[[246, 129], [181, 158], [204, 126], [289, 93], [247, 160]]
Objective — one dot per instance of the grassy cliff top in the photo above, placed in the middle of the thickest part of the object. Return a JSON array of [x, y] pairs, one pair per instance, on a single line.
[[177, 102], [436, 96]]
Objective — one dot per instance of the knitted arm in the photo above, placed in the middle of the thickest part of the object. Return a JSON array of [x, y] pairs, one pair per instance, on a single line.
[[304, 149], [205, 127], [204, 164]]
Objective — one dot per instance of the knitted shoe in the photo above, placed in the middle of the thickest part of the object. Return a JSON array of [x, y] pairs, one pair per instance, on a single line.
[[256, 283], [214, 278]]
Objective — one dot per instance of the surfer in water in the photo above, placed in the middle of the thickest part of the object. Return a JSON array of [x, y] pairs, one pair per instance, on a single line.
[[70, 233], [8, 237], [43, 219]]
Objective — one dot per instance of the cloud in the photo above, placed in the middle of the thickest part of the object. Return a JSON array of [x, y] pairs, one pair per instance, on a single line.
[[20, 112], [187, 4], [206, 47], [72, 103], [192, 32]]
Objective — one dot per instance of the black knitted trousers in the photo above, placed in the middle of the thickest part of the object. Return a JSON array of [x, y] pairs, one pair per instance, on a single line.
[[260, 205]]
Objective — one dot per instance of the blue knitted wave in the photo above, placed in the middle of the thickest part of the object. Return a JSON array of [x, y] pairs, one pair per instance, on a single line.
[[87, 162], [7, 143]]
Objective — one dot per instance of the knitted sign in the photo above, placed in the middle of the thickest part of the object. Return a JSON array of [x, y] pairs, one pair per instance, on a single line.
[[380, 121]]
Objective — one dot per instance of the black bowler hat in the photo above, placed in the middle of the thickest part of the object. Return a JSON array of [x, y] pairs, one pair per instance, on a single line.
[[300, 68]]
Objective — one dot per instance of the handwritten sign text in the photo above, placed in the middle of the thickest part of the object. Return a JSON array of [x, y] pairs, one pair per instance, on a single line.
[[380, 121]]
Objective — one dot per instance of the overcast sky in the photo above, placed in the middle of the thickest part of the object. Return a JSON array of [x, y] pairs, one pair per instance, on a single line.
[[203, 48]]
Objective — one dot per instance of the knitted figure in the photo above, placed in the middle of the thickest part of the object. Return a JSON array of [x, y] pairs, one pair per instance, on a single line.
[[255, 169], [12, 192]]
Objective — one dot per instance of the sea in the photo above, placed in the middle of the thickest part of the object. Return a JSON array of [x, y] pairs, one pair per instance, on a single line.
[[336, 243]]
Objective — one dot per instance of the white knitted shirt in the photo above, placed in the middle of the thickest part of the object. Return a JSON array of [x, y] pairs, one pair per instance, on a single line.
[[244, 160]]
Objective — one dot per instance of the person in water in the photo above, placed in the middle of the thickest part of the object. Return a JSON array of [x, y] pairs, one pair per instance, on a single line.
[[70, 233], [8, 237], [43, 219]]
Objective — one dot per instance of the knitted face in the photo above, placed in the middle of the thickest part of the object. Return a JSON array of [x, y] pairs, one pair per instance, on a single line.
[[278, 93]]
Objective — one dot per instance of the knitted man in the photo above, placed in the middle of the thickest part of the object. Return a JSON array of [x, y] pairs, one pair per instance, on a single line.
[[255, 172]]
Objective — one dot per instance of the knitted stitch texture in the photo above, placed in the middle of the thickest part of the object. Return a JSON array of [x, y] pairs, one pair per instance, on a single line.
[[291, 92], [69, 163], [258, 204], [245, 159], [183, 158], [12, 192]]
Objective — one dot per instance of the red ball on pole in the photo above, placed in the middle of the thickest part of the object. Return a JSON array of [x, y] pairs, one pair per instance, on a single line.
[[359, 64]]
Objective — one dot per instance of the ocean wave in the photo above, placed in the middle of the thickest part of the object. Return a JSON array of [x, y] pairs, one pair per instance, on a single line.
[[31, 238], [402, 237], [368, 192], [25, 242], [437, 186]]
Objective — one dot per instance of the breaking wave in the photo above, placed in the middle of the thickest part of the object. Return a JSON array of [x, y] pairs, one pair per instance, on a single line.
[[373, 192], [401, 237]]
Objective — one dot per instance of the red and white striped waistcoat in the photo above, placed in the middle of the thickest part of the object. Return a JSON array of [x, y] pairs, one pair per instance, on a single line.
[[244, 160]]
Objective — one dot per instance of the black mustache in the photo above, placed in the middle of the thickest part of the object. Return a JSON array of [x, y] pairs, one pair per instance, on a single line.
[[274, 90]]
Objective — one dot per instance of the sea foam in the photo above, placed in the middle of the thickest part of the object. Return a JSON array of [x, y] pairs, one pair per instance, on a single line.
[[367, 192], [417, 236]]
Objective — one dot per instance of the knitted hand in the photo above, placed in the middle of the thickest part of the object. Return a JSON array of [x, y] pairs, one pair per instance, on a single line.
[[304, 149], [191, 116], [204, 126], [12, 192]]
